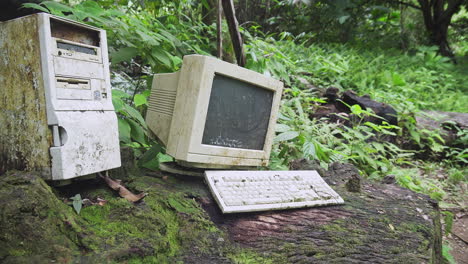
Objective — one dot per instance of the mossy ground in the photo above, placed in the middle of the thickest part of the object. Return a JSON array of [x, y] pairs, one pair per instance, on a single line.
[[37, 224], [169, 226]]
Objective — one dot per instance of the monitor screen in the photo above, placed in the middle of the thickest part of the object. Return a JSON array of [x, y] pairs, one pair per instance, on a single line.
[[238, 114]]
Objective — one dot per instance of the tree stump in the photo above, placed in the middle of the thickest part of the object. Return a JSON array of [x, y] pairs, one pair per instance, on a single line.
[[179, 222], [383, 223]]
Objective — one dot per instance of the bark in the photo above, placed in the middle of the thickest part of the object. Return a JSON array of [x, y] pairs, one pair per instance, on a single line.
[[437, 15], [219, 29], [228, 8]]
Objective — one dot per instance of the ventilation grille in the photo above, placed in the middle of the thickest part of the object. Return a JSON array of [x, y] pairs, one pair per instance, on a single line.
[[162, 101]]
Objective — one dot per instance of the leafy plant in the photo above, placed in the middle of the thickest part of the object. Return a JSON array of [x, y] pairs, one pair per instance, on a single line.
[[448, 221], [132, 126], [409, 82], [361, 143], [446, 254], [77, 203]]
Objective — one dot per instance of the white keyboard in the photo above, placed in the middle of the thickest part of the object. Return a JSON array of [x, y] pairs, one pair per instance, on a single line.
[[249, 191]]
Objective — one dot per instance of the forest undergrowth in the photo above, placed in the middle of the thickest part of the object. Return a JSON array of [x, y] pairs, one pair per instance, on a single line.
[[409, 83]]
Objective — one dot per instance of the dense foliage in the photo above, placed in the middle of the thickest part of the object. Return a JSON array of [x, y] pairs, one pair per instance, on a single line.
[[409, 83], [404, 24]]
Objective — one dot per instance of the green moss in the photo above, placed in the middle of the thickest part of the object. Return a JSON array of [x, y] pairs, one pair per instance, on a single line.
[[125, 225], [161, 228], [335, 227], [17, 252], [396, 250], [166, 226], [414, 227], [34, 221], [248, 257]]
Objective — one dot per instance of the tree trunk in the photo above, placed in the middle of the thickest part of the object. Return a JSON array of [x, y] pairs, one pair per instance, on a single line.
[[230, 14], [437, 16]]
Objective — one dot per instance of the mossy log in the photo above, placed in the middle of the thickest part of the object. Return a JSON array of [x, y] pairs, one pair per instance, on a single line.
[[383, 223], [179, 222]]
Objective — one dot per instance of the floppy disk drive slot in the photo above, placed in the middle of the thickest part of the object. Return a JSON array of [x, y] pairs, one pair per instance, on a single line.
[[70, 83], [76, 48]]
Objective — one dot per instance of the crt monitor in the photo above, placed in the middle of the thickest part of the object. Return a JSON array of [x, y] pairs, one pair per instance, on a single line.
[[213, 114]]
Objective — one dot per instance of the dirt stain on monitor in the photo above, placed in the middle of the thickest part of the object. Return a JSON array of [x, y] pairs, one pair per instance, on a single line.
[[238, 114]]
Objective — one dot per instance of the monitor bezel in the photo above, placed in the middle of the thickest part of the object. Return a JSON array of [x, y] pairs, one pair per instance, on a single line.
[[188, 123]]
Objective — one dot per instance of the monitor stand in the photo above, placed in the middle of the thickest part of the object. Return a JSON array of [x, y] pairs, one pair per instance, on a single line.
[[195, 169], [174, 168]]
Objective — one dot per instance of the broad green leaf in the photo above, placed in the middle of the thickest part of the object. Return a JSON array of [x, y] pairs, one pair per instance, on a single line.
[[124, 54], [118, 104], [282, 128], [388, 132], [147, 38], [92, 8], [81, 15], [373, 126], [162, 56], [378, 146], [152, 164], [120, 94], [169, 39], [114, 13], [297, 104], [164, 157], [320, 153], [140, 99], [309, 149], [133, 113], [57, 8], [35, 6], [77, 203], [176, 61], [398, 80], [356, 109], [124, 130], [286, 136], [146, 93], [283, 117], [137, 132], [150, 154]]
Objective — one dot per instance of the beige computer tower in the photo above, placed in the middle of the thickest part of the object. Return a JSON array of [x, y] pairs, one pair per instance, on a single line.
[[56, 112]]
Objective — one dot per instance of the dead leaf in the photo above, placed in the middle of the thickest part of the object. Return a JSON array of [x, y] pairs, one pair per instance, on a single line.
[[101, 202], [123, 192], [115, 185]]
